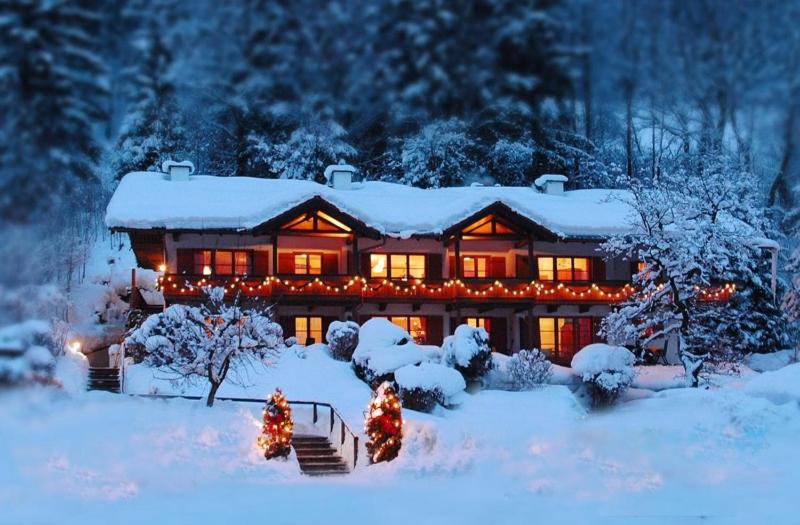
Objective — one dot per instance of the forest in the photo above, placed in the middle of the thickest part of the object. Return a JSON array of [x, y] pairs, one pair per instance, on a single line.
[[429, 93]]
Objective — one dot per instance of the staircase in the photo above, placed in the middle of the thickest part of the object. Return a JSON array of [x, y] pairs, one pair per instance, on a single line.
[[104, 378], [318, 457]]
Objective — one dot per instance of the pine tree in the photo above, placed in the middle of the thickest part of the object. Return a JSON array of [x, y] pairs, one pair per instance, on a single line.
[[52, 101], [153, 130]]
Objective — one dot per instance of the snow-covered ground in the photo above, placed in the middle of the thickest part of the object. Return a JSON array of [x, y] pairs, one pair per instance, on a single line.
[[722, 455]]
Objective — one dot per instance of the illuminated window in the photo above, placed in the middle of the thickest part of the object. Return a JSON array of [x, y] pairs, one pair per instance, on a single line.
[[241, 263], [308, 330], [564, 268], [564, 336], [480, 322], [474, 267], [489, 225], [202, 262], [580, 267], [416, 266], [546, 272], [414, 325], [308, 264], [547, 334], [400, 266], [223, 263]]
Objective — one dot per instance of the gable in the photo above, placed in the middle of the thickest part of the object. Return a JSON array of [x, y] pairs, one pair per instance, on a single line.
[[498, 221]]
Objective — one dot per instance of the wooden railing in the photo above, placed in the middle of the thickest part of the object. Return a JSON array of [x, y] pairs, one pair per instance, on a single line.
[[338, 433]]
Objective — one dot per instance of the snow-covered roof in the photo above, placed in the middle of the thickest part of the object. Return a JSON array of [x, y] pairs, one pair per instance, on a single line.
[[149, 200]]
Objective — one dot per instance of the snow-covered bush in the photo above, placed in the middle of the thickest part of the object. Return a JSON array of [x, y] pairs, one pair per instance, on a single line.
[[204, 341], [468, 351], [606, 370], [528, 369], [342, 339], [383, 347], [28, 358], [422, 387]]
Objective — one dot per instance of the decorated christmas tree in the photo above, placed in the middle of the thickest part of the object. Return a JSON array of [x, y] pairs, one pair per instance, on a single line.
[[384, 425], [276, 434]]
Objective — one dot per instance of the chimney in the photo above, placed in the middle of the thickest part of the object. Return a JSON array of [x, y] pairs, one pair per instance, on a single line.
[[551, 184], [177, 171], [340, 176]]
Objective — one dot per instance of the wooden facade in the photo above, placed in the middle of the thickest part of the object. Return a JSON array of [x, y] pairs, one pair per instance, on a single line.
[[497, 269]]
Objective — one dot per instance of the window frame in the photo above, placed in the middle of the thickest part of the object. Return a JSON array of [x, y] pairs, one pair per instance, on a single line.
[[554, 261], [557, 350], [407, 255], [423, 322], [309, 331], [212, 263], [307, 256], [486, 268]]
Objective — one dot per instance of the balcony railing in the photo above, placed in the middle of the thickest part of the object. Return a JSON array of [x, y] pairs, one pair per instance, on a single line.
[[346, 287]]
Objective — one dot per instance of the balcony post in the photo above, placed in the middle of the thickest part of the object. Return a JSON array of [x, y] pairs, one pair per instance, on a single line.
[[458, 256], [275, 253], [532, 275], [356, 256]]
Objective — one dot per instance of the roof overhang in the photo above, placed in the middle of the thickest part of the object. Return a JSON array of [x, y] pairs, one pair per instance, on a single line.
[[519, 221]]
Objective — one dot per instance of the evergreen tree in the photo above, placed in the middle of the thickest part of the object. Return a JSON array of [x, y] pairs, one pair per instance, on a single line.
[[52, 100], [153, 130]]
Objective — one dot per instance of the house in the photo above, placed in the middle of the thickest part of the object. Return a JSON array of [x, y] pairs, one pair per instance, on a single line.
[[522, 262]]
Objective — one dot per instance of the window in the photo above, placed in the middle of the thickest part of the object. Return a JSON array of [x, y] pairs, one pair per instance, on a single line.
[[377, 265], [564, 336], [308, 263], [241, 263], [564, 268], [489, 225], [400, 266], [480, 322], [308, 330], [202, 262], [414, 325], [475, 267], [222, 262]]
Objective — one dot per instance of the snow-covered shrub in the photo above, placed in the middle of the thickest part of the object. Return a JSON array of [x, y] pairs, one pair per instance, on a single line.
[[28, 358], [528, 369], [204, 341], [342, 339], [422, 387], [606, 370], [290, 341], [468, 351], [383, 347]]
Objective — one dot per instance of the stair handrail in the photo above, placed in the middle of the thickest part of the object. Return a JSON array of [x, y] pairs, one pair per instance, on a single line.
[[345, 442]]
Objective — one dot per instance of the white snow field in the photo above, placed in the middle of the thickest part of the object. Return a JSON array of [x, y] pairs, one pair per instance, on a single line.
[[680, 455]]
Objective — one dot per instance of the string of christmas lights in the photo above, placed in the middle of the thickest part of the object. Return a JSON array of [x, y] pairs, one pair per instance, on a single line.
[[276, 433], [418, 287]]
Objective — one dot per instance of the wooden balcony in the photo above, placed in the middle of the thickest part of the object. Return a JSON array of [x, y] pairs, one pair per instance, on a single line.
[[334, 289]]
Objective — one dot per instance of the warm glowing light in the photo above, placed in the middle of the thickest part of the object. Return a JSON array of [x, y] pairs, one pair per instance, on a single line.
[[206, 270], [74, 346], [162, 268]]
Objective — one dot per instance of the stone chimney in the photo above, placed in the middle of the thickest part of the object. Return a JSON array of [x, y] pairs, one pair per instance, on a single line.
[[551, 184], [340, 176], [177, 171]]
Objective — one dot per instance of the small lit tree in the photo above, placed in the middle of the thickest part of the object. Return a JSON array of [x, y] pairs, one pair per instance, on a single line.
[[276, 434], [384, 425]]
